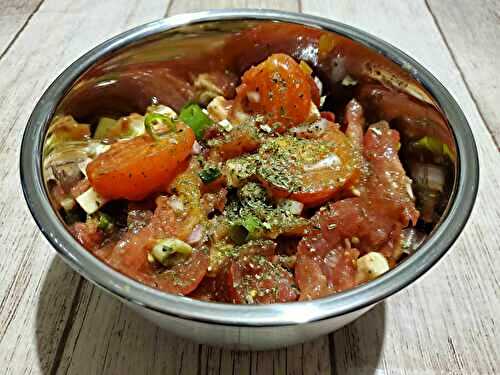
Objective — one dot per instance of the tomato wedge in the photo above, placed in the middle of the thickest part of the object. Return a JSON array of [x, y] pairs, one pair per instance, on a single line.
[[309, 171], [278, 89], [137, 167]]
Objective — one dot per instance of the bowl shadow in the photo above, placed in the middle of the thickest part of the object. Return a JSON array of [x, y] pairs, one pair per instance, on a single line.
[[80, 329]]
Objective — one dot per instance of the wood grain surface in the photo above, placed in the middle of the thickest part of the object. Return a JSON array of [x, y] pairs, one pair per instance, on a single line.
[[54, 322]]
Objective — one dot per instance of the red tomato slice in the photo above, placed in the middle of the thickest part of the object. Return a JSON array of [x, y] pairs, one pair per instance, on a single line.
[[279, 89], [309, 171], [135, 168]]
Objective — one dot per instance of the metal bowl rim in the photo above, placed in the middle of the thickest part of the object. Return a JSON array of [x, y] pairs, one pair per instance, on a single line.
[[236, 315]]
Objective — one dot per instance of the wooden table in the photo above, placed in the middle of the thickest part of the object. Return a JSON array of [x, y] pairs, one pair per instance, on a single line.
[[52, 321]]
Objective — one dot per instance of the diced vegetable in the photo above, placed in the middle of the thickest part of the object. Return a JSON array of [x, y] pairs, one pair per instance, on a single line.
[[67, 203], [308, 171], [241, 139], [429, 175], [193, 116], [104, 127], [371, 266], [105, 222], [219, 108], [209, 174], [291, 206], [171, 251], [91, 201]]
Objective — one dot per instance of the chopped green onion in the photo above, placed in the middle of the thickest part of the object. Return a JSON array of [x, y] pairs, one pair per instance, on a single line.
[[435, 146], [158, 125], [170, 251], [209, 174], [193, 116], [245, 229], [251, 224], [105, 221]]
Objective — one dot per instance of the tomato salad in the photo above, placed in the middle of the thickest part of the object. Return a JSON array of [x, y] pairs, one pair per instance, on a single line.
[[259, 197]]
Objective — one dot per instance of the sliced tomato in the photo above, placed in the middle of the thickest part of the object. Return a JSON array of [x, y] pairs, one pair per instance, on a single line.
[[254, 279], [309, 171], [278, 89], [135, 168]]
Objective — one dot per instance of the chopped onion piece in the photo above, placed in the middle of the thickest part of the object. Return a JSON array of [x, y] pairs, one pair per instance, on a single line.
[[429, 175], [330, 161], [83, 165], [411, 239], [226, 125], [176, 203], [349, 81], [218, 108], [196, 149], [313, 113], [91, 201], [316, 127], [253, 96], [294, 207], [196, 235], [319, 84], [67, 203]]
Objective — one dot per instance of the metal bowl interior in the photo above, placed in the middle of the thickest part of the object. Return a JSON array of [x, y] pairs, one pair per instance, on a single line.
[[105, 80]]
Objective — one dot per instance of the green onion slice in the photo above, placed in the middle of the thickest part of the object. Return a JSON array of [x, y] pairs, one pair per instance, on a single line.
[[193, 116], [158, 125]]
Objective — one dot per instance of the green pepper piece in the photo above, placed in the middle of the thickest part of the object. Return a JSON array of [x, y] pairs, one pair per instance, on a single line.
[[209, 174], [193, 116]]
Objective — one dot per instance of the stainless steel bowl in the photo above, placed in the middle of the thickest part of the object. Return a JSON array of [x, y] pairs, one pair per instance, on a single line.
[[91, 82]]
